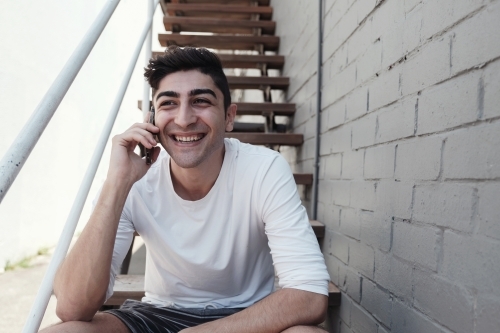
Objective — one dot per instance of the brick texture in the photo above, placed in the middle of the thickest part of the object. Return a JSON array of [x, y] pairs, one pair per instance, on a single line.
[[410, 161]]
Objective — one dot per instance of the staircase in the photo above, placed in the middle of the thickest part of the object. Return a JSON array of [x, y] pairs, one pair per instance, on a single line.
[[243, 37]]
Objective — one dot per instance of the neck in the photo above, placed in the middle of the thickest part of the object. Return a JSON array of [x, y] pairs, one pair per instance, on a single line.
[[195, 183]]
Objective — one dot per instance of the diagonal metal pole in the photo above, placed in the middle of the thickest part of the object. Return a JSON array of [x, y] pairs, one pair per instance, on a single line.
[[42, 298], [15, 158]]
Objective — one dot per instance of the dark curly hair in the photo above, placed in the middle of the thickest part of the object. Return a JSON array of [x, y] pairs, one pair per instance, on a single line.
[[177, 59]]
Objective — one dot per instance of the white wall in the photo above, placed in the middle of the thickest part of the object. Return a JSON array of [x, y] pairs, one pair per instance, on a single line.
[[410, 161], [37, 38]]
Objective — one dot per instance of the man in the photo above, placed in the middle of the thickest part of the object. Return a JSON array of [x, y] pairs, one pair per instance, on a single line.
[[214, 213]]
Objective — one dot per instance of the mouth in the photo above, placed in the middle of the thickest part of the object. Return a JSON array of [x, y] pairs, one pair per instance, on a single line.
[[187, 138]]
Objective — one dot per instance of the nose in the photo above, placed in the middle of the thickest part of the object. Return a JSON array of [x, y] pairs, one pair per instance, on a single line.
[[185, 116]]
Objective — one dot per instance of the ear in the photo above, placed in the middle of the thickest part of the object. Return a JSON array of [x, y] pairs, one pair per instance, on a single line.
[[230, 115]]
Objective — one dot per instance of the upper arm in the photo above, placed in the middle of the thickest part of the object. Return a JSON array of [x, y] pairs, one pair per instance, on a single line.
[[297, 258]]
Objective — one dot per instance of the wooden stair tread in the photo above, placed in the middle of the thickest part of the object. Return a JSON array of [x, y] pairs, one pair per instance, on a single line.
[[257, 82], [217, 25], [284, 139], [218, 10], [132, 287], [221, 42], [243, 127], [247, 61], [232, 2], [279, 109], [303, 179], [258, 109], [251, 61]]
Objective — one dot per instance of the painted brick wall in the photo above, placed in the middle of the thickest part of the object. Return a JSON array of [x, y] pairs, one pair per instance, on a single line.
[[410, 157]]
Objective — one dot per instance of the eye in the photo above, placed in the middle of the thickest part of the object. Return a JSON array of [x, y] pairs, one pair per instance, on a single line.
[[166, 103], [201, 101]]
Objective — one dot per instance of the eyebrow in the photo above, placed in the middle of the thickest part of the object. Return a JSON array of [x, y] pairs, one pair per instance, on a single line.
[[168, 93], [195, 92]]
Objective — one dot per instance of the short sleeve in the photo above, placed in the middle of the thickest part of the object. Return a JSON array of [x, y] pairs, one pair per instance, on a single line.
[[297, 259]]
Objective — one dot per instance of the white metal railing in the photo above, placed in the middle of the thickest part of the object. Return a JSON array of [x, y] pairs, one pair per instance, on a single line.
[[14, 160], [19, 152]]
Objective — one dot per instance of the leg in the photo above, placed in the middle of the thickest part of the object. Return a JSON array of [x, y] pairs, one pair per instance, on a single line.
[[102, 322], [304, 329]]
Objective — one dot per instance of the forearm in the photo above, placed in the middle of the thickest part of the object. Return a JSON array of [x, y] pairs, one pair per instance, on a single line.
[[277, 312], [82, 279]]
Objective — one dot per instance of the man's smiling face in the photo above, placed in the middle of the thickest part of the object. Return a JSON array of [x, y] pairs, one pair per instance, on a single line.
[[191, 117]]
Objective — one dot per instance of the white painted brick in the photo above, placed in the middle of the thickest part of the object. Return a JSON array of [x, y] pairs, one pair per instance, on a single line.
[[419, 159], [412, 27], [377, 302], [350, 283], [332, 264], [472, 261], [427, 67], [489, 210], [360, 41], [376, 230], [331, 166], [341, 193], [352, 164], [345, 309], [382, 330], [392, 43], [363, 195], [449, 304], [337, 245], [340, 85], [396, 121], [446, 205], [330, 216], [333, 115], [307, 129], [350, 223], [487, 310], [386, 88], [379, 162], [333, 17], [369, 63], [491, 106], [411, 4], [417, 244], [306, 151], [437, 15], [409, 320], [449, 104], [385, 17], [362, 321], [363, 131], [356, 103], [479, 33], [394, 198], [325, 190], [336, 63], [394, 275], [361, 258], [473, 153], [337, 140]]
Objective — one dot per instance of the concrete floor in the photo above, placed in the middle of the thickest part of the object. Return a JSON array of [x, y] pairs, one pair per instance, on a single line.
[[18, 289]]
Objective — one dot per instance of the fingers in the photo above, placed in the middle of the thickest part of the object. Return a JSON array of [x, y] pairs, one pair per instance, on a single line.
[[138, 133]]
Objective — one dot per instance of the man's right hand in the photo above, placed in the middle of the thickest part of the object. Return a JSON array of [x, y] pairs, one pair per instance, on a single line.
[[125, 164]]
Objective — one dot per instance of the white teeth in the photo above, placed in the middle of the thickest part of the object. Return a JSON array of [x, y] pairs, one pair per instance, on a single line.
[[191, 138]]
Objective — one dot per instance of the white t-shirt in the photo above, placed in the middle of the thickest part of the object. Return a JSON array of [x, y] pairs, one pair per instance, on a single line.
[[219, 251]]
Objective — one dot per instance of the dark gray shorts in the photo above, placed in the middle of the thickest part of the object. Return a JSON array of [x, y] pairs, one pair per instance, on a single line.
[[142, 317]]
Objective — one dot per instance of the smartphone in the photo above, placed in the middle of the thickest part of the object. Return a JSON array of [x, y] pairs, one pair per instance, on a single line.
[[149, 152]]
